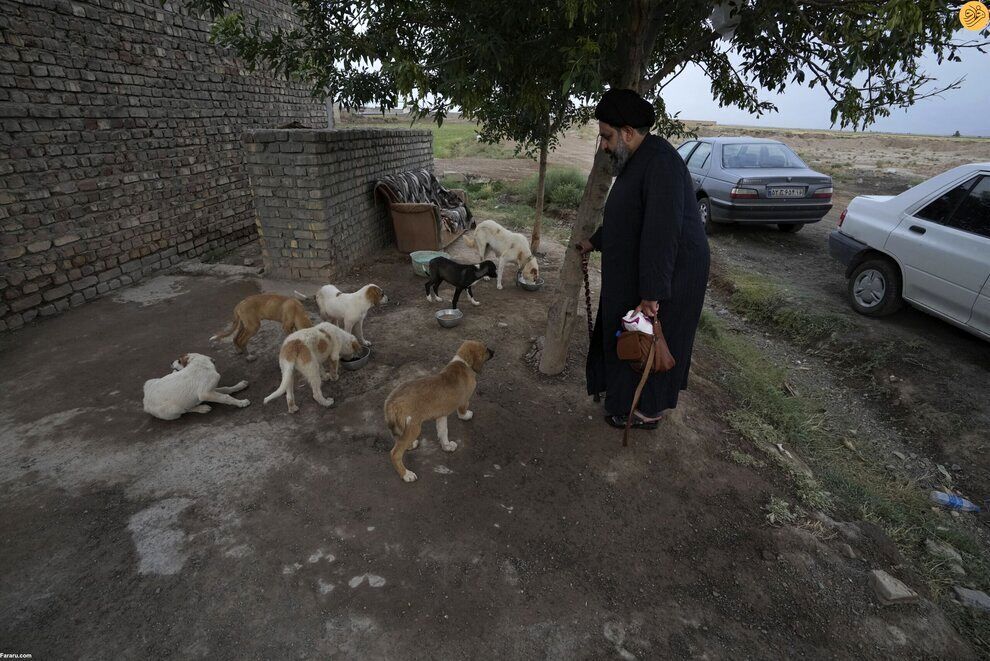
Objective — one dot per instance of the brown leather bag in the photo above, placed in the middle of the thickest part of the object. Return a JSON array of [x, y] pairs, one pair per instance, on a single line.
[[642, 349], [645, 353]]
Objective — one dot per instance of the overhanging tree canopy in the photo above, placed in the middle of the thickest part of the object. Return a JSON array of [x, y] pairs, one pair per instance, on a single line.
[[479, 55]]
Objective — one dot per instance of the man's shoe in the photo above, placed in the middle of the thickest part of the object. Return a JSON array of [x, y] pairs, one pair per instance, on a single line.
[[619, 422]]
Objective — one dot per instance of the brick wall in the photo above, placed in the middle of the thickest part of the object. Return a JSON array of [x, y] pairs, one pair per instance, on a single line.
[[314, 194], [121, 151]]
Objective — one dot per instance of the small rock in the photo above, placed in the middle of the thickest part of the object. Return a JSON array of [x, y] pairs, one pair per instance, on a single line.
[[847, 530], [972, 598], [890, 590], [847, 551], [957, 569], [248, 261], [893, 379], [899, 455], [942, 550], [502, 324]]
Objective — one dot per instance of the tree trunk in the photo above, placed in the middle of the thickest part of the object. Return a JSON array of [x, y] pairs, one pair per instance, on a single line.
[[534, 242], [563, 307], [631, 56]]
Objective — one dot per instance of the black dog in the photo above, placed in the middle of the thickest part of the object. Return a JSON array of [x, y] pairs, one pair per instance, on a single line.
[[462, 276]]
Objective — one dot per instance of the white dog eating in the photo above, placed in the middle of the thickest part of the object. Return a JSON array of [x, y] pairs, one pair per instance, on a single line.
[[193, 382], [510, 247]]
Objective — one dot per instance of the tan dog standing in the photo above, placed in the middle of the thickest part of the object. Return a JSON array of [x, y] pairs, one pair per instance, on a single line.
[[307, 350], [434, 398], [249, 313]]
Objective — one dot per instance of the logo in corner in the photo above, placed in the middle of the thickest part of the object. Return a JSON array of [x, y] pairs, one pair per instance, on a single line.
[[974, 16]]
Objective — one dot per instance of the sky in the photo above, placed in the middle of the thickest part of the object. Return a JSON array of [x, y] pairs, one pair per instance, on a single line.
[[966, 109]]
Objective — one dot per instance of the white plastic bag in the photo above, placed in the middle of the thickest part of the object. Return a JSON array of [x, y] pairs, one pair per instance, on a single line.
[[637, 321]]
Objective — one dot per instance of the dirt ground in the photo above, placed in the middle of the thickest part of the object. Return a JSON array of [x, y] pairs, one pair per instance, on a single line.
[[253, 533]]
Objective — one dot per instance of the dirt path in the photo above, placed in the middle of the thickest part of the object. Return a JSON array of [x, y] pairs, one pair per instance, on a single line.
[[253, 533], [927, 389]]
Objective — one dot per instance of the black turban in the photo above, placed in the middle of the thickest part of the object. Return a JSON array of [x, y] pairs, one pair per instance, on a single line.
[[625, 108]]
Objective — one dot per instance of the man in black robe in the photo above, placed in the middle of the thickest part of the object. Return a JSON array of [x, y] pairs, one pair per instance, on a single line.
[[654, 259]]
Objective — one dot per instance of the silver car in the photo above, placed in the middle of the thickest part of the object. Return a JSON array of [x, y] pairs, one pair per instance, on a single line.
[[754, 180]]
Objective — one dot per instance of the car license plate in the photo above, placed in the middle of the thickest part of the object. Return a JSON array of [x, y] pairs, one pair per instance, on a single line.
[[785, 191]]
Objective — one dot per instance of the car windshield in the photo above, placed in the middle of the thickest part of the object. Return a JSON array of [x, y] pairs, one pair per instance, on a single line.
[[759, 155]]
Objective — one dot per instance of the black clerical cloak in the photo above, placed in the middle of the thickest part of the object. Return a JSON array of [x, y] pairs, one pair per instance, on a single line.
[[653, 247]]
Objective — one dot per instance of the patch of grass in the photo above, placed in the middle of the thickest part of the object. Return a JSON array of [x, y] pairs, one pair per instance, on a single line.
[[460, 140], [827, 476], [779, 512], [511, 206], [511, 215], [477, 191], [761, 300], [563, 188], [746, 459]]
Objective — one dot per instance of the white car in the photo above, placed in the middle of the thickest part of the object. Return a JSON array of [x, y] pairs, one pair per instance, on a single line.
[[929, 246]]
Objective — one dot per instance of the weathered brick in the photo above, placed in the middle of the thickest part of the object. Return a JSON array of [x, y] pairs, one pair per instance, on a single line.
[[11, 252], [65, 239], [98, 154], [57, 292], [25, 302]]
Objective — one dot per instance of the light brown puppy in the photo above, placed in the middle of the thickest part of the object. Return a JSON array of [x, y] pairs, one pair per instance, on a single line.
[[434, 398], [307, 350], [249, 313]]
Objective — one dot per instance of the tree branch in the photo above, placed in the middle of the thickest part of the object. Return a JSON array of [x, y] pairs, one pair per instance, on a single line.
[[690, 50]]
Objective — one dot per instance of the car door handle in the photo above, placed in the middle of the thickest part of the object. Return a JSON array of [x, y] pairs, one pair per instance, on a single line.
[[917, 229]]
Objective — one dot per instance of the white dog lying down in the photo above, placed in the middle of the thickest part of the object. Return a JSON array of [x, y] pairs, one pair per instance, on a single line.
[[509, 247], [193, 382], [307, 350]]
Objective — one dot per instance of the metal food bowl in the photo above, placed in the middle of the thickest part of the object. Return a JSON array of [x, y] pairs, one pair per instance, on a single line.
[[449, 318], [358, 362], [528, 286]]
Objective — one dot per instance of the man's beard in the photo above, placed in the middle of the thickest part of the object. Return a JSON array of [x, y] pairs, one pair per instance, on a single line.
[[618, 158]]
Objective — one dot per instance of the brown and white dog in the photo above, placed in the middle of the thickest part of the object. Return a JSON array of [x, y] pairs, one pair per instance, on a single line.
[[509, 247], [307, 350], [434, 398], [249, 313], [193, 382], [348, 310]]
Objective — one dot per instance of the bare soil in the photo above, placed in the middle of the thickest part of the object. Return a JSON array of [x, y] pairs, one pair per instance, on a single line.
[[255, 533], [248, 533]]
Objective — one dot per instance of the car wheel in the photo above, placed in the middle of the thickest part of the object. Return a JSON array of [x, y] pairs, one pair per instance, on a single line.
[[790, 228], [875, 288], [705, 211]]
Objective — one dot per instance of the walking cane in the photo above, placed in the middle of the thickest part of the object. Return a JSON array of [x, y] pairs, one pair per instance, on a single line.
[[587, 305]]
